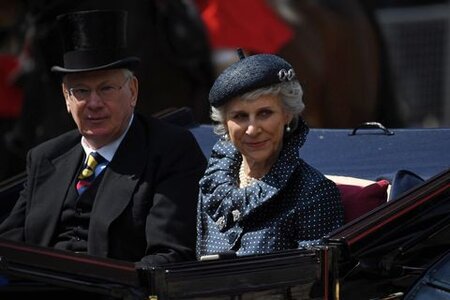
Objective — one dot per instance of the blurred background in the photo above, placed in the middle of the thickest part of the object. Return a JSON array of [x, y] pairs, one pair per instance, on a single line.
[[358, 61]]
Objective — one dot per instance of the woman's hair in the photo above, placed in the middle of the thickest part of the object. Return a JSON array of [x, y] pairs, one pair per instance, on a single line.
[[290, 93]]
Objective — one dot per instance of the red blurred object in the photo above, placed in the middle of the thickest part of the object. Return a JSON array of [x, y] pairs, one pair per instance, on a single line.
[[358, 200], [10, 95], [247, 24]]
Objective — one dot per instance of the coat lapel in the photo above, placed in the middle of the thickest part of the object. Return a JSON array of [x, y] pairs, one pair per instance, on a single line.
[[117, 187], [56, 176]]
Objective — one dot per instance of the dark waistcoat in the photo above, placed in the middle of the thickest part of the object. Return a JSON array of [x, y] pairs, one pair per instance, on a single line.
[[73, 227]]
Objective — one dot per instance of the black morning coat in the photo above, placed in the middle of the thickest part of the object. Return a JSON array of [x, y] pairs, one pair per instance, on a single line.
[[145, 207]]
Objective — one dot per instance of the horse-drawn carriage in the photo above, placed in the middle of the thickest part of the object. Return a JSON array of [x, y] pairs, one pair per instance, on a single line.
[[394, 245]]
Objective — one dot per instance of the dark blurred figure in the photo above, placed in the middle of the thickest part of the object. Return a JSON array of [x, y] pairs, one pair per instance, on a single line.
[[335, 47], [175, 69], [11, 17], [342, 61]]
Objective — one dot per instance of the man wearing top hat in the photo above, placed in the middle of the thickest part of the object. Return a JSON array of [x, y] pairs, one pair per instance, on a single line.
[[134, 198]]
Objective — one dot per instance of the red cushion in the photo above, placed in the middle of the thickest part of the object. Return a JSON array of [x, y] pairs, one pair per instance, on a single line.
[[358, 200]]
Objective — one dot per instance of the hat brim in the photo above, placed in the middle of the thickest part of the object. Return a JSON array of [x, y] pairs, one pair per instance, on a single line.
[[127, 63]]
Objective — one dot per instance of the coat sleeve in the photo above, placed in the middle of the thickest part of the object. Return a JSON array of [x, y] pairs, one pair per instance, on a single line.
[[12, 227]]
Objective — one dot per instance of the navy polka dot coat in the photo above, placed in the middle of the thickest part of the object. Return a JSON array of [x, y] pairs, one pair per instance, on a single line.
[[292, 206]]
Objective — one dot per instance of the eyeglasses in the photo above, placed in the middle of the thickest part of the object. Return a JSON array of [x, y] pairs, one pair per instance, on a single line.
[[107, 91]]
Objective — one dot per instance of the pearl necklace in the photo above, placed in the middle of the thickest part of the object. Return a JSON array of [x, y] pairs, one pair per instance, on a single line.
[[244, 179]]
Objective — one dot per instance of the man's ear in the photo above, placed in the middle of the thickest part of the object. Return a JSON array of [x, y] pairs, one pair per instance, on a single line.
[[66, 97], [134, 86]]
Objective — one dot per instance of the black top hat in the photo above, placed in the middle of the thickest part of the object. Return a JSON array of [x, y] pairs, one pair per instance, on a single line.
[[94, 40], [249, 73]]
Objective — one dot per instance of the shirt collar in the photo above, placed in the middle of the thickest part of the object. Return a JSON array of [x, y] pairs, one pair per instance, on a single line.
[[108, 150]]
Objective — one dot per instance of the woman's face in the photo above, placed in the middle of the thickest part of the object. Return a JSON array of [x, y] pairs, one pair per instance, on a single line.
[[256, 127]]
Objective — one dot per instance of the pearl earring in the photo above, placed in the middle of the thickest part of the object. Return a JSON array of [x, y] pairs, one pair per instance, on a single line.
[[288, 128]]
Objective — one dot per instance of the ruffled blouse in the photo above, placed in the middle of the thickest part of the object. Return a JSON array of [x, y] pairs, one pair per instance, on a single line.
[[292, 206]]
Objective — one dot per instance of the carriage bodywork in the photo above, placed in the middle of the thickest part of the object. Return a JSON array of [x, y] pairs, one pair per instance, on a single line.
[[385, 253]]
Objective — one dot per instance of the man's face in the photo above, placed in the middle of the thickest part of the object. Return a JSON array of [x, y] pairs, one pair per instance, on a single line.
[[101, 103]]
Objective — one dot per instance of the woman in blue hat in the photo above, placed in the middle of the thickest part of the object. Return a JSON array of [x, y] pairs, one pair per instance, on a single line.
[[257, 195]]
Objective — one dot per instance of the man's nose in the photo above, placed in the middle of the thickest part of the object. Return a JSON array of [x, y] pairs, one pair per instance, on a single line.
[[94, 98]]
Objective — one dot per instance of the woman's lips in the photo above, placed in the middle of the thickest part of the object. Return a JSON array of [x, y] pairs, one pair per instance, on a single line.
[[256, 145]]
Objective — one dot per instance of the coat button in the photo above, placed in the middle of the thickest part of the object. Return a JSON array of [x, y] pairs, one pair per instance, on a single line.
[[221, 222], [232, 237], [236, 215]]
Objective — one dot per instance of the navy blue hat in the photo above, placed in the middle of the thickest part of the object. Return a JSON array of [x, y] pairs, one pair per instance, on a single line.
[[94, 40], [248, 74]]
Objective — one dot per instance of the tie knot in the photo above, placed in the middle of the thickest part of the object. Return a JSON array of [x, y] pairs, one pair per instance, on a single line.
[[94, 159], [88, 173]]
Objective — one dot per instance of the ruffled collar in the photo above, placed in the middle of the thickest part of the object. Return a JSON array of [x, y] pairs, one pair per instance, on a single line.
[[225, 162]]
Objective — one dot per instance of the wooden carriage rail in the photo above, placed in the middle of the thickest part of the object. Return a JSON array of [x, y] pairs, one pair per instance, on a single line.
[[303, 271], [68, 269], [304, 274]]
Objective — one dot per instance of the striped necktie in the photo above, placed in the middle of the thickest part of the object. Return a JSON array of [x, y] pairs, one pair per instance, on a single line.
[[87, 175]]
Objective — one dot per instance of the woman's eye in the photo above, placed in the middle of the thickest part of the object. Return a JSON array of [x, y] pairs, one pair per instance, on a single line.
[[266, 113], [239, 116]]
